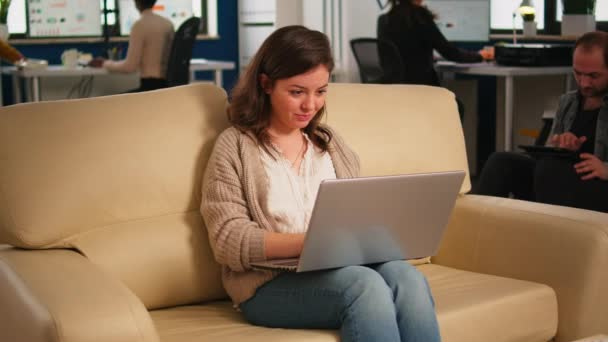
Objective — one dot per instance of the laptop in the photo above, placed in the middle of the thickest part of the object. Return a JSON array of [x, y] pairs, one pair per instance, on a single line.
[[367, 220]]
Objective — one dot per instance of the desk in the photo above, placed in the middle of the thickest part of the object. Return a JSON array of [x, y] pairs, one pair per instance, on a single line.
[[491, 69], [31, 77]]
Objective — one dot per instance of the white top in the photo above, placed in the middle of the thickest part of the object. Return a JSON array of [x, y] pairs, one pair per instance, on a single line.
[[291, 196], [149, 47]]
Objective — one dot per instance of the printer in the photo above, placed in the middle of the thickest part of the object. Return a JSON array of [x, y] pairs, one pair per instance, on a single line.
[[533, 54]]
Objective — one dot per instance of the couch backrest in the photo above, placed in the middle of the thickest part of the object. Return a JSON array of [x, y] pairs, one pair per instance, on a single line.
[[399, 128], [117, 178]]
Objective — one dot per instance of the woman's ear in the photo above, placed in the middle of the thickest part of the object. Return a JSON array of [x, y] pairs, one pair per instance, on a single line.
[[265, 83]]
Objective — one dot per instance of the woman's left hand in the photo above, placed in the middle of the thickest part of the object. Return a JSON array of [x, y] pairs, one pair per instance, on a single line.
[[592, 167]]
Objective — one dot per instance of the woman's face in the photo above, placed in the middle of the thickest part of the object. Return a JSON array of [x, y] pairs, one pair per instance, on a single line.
[[296, 100]]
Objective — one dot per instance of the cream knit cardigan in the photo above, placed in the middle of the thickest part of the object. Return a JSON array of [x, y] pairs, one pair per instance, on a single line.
[[235, 208]]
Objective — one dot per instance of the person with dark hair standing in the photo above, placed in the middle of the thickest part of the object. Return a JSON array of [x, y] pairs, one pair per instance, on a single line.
[[411, 27], [581, 125], [149, 47], [257, 196]]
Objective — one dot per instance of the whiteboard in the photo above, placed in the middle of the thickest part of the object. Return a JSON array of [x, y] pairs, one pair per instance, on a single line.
[[462, 20], [64, 18]]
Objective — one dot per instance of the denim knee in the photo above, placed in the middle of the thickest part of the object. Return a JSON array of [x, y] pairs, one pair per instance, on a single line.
[[363, 281], [400, 273]]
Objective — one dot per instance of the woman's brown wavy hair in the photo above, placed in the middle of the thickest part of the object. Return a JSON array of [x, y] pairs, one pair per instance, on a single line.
[[287, 52]]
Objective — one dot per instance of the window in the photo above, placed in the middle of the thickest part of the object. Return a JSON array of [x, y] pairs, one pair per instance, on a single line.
[[502, 11], [17, 21]]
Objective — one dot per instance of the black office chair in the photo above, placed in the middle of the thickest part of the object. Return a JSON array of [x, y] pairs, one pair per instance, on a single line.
[[178, 67], [379, 60]]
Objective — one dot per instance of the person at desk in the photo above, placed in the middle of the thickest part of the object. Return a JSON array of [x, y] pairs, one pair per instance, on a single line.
[[149, 48], [581, 125], [257, 197], [411, 27]]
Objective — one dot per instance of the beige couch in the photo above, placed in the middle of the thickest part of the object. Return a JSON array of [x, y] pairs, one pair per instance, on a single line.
[[101, 198]]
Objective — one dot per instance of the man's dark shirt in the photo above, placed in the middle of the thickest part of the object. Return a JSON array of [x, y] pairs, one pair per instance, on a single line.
[[585, 125]]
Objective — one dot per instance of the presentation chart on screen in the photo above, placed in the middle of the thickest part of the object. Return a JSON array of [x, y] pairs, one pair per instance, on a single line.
[[64, 18], [175, 10], [461, 20]]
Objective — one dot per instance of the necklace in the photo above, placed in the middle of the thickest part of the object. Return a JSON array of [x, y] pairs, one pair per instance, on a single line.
[[300, 153], [297, 157]]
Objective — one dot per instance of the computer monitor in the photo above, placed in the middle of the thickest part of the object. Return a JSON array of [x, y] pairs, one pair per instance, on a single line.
[[462, 20], [17, 21], [64, 18], [501, 14], [601, 11], [177, 11]]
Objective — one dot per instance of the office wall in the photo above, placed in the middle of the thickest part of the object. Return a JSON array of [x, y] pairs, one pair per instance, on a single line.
[[224, 48]]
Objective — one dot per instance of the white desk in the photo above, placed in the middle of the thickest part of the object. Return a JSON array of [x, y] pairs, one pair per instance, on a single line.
[[31, 77], [491, 69]]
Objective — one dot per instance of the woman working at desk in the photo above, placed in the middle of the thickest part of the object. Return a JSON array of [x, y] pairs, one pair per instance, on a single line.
[[411, 27], [149, 47]]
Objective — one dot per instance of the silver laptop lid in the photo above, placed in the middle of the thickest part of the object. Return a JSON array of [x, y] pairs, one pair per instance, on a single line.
[[376, 219]]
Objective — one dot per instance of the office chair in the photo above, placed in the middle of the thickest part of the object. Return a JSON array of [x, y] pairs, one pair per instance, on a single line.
[[178, 68], [379, 60]]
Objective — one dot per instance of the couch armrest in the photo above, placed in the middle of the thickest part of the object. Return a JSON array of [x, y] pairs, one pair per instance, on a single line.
[[59, 295], [565, 248]]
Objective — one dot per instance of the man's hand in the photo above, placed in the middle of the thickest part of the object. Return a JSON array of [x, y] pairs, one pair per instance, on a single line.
[[591, 167], [568, 141], [97, 62]]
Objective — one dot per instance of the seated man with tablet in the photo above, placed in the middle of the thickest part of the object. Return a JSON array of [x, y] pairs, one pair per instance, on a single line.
[[573, 170]]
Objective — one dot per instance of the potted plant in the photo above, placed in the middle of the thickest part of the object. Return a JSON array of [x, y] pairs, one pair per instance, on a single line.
[[578, 6], [4, 5], [578, 17]]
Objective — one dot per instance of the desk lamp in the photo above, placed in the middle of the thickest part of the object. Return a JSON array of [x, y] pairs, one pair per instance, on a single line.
[[525, 9]]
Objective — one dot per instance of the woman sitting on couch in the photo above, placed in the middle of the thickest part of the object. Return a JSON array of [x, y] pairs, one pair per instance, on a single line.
[[258, 192]]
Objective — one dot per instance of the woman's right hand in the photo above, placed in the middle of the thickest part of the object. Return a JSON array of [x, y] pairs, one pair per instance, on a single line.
[[282, 245], [568, 141], [487, 53], [97, 62]]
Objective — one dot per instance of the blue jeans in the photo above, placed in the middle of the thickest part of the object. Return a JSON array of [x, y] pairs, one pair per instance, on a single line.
[[383, 302]]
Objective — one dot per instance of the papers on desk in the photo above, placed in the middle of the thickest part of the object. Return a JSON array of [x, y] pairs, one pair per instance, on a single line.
[[465, 65], [32, 63]]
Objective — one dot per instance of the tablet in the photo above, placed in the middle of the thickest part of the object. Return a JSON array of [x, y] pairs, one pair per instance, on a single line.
[[537, 151]]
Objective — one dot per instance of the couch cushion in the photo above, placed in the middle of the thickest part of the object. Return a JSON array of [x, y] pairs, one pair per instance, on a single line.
[[473, 306], [470, 307], [399, 128], [219, 321]]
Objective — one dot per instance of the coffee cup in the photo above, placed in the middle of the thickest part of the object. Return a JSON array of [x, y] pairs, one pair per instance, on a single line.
[[69, 58]]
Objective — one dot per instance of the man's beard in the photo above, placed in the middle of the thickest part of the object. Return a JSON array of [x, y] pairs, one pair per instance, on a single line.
[[594, 92]]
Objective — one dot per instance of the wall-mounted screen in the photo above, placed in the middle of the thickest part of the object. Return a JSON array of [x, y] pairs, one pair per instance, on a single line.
[[63, 18], [504, 14], [175, 10], [601, 11], [462, 20]]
